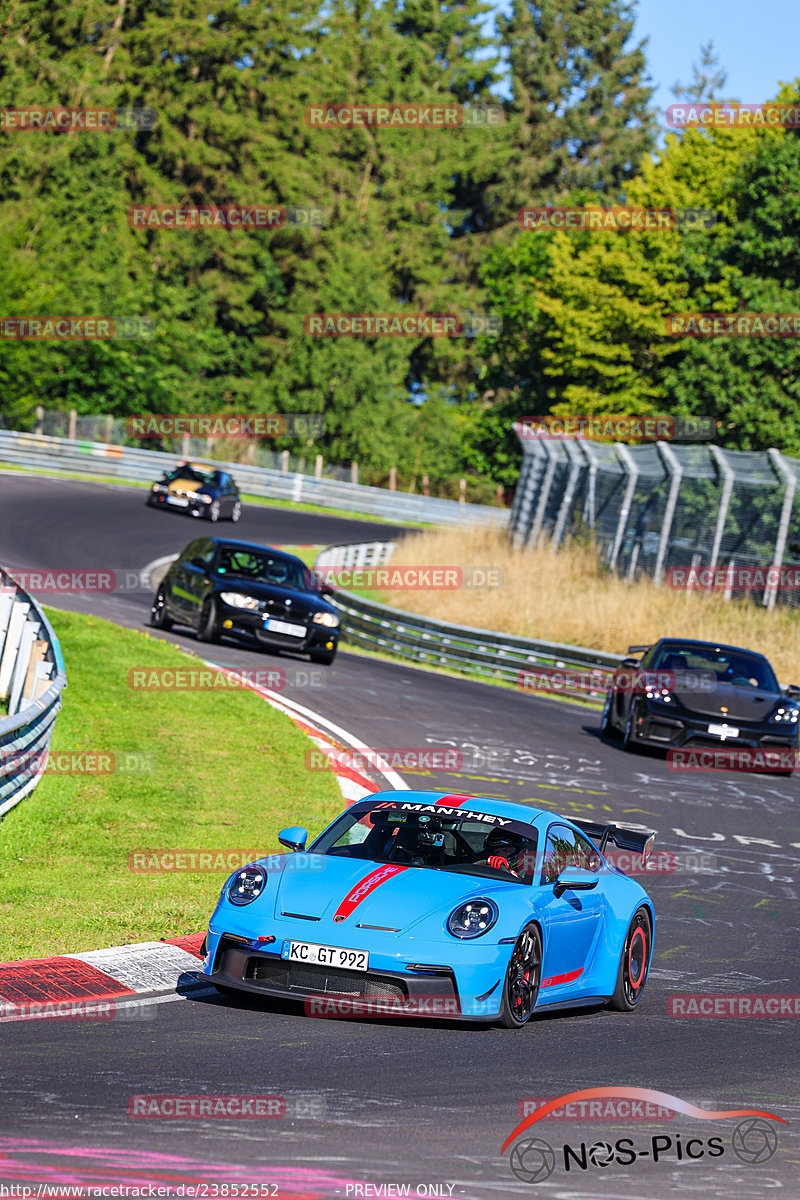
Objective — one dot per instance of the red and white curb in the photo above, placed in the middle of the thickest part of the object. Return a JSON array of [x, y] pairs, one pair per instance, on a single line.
[[98, 984]]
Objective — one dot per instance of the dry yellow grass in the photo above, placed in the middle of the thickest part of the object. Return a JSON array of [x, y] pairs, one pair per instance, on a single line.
[[566, 597]]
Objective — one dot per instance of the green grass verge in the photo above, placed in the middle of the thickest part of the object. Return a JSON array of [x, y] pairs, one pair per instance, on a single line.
[[265, 501], [228, 771]]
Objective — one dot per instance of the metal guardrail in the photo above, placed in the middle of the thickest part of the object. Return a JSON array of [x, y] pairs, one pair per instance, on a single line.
[[32, 678], [128, 464], [471, 651]]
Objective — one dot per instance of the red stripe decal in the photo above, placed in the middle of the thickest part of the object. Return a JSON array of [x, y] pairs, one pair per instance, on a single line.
[[368, 884], [453, 801], [555, 980]]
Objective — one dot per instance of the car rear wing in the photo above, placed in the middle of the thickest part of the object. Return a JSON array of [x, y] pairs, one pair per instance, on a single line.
[[626, 839]]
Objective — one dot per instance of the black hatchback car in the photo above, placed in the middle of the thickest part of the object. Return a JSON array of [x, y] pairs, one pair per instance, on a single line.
[[199, 491], [684, 692], [256, 594]]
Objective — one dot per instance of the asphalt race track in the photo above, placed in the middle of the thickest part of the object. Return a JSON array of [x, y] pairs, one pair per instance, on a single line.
[[372, 1103]]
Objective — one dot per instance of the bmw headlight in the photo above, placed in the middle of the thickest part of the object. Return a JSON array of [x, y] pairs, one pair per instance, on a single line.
[[238, 600], [325, 618], [785, 714], [472, 919], [246, 885]]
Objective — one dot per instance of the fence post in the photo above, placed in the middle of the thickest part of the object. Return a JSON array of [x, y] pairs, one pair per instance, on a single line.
[[392, 479], [632, 471], [318, 467], [284, 461], [39, 418], [724, 501], [426, 486], [109, 428], [186, 446], [783, 469], [354, 472], [462, 491], [675, 471], [590, 503], [73, 416], [575, 465], [522, 504], [544, 494]]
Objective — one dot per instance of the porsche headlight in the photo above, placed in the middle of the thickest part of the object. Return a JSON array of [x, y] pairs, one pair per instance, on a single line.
[[661, 695], [785, 714], [472, 919], [246, 885], [325, 618], [160, 487], [238, 600]]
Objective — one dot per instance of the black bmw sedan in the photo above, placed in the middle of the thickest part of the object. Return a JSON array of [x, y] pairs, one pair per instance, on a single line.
[[197, 491], [683, 692], [255, 594]]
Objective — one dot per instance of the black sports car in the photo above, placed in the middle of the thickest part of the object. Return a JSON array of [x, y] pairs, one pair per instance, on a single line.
[[197, 490], [254, 593], [690, 693]]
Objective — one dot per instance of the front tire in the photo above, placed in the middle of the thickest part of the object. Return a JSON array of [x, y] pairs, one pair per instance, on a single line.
[[209, 622], [607, 726], [159, 617], [524, 974], [325, 657], [634, 965], [628, 739]]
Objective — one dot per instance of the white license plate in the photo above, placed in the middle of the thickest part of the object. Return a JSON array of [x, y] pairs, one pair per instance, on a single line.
[[274, 626], [724, 731], [328, 956], [179, 500]]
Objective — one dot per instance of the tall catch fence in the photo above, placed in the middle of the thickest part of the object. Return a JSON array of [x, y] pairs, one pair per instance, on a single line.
[[660, 509]]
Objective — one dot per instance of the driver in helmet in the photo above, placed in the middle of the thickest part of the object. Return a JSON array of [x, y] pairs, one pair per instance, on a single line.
[[505, 851]]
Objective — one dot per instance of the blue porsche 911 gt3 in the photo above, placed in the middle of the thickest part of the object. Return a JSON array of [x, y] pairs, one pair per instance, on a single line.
[[439, 905]]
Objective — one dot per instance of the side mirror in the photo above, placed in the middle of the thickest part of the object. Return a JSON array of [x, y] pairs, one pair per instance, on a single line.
[[793, 690], [294, 837], [197, 561], [575, 879], [631, 662]]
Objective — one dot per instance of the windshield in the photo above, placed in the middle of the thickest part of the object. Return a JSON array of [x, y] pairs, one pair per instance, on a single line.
[[262, 567], [738, 667], [466, 843], [193, 475]]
